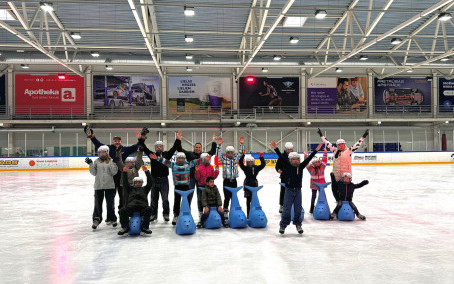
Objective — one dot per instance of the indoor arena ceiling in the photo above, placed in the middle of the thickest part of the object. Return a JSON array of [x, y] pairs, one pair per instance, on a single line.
[[233, 34]]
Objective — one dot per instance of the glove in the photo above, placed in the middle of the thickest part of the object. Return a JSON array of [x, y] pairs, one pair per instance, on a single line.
[[366, 133], [88, 131], [320, 132], [260, 154], [88, 160], [144, 131], [366, 182], [116, 159]]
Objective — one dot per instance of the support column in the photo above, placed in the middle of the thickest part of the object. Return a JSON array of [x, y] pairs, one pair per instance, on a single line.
[[370, 141], [435, 95], [88, 93], [164, 99], [235, 93], [303, 93], [11, 150], [370, 95], [10, 91]]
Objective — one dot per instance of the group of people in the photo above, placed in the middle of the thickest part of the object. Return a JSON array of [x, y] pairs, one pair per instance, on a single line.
[[116, 171]]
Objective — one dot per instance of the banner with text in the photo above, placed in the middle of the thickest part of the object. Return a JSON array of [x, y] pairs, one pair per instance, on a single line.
[[47, 94], [337, 95], [125, 91], [199, 94], [403, 95], [446, 94]]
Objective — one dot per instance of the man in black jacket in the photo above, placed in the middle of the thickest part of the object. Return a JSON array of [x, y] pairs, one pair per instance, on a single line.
[[138, 201], [159, 174], [279, 168], [194, 155], [293, 173]]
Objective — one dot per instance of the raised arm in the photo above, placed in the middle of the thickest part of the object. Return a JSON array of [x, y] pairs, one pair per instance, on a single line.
[[285, 162], [219, 151], [328, 144], [139, 158], [361, 184], [308, 159], [262, 162], [96, 142], [240, 150], [149, 181], [125, 180], [93, 168], [241, 162], [168, 154], [213, 146], [360, 141]]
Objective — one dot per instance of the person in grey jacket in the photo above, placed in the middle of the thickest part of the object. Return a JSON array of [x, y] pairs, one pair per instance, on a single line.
[[104, 168]]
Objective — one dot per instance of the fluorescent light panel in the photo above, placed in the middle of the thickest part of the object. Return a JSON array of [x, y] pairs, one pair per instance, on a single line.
[[294, 22]]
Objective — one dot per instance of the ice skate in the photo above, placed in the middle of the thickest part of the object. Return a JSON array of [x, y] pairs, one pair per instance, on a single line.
[[95, 224], [123, 231], [226, 213], [153, 218], [166, 217], [332, 216], [175, 220], [225, 224], [199, 225], [281, 208], [146, 231], [299, 229], [360, 216], [281, 230]]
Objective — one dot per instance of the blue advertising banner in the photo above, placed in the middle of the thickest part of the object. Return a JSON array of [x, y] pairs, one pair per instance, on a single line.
[[403, 95], [445, 94], [2, 94]]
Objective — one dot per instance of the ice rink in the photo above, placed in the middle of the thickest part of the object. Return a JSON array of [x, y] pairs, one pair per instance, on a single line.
[[407, 238]]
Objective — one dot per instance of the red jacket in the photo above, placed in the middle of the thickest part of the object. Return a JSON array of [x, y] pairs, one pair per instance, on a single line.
[[203, 172], [317, 175]]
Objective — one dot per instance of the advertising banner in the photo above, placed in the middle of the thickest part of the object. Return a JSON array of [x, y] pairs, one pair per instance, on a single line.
[[403, 94], [337, 95], [199, 93], [34, 163], [125, 91], [2, 94], [269, 92], [445, 94], [47, 94]]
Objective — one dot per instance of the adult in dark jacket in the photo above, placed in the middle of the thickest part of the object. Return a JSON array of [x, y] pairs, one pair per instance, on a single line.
[[293, 173], [251, 171], [279, 168], [345, 190], [194, 155], [159, 174], [115, 147], [138, 201]]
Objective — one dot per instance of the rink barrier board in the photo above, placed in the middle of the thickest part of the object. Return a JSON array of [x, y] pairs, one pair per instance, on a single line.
[[359, 159]]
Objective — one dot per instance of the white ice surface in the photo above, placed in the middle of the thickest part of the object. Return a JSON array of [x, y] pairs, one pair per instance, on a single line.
[[408, 236]]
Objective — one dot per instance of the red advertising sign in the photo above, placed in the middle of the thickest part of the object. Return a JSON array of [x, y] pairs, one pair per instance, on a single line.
[[49, 94]]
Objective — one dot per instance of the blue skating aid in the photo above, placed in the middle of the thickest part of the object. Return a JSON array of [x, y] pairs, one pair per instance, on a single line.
[[214, 220], [257, 218], [135, 223], [321, 211], [237, 218], [293, 208], [185, 224], [345, 212]]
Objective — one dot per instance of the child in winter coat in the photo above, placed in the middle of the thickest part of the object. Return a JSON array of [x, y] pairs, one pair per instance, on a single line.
[[181, 172], [104, 169], [211, 198], [293, 173], [202, 171], [133, 164], [229, 170], [316, 169], [346, 189], [138, 201], [251, 171]]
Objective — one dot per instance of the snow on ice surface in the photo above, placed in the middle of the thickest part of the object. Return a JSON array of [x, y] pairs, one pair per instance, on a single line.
[[407, 238]]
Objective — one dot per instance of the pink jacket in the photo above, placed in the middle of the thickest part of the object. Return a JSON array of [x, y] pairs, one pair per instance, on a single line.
[[342, 160], [317, 175], [204, 172]]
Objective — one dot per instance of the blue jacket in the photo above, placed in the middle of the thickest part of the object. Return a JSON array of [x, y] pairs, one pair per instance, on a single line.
[[293, 176]]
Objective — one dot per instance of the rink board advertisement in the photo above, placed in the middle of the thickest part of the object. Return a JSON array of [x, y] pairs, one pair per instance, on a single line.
[[268, 92], [199, 93], [403, 95], [34, 163], [2, 94], [363, 159], [337, 95], [47, 94], [446, 94], [125, 91]]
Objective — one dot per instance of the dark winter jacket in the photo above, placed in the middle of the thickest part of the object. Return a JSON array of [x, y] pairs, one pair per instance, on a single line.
[[194, 156], [158, 170], [211, 197], [346, 190], [251, 172], [280, 164], [138, 196], [125, 151], [293, 176]]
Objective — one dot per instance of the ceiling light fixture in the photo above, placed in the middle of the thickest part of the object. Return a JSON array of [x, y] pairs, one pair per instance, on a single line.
[[189, 11], [75, 35], [294, 40], [189, 56], [444, 16], [46, 6], [277, 58], [396, 41], [109, 68], [320, 14], [94, 54], [188, 38]]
